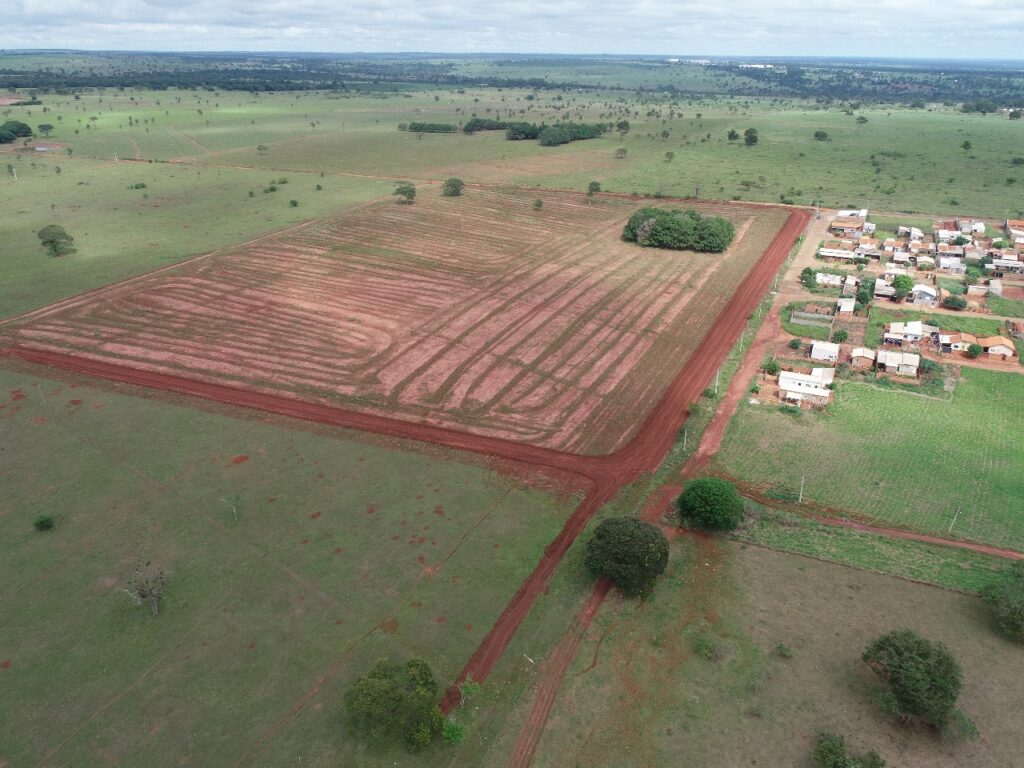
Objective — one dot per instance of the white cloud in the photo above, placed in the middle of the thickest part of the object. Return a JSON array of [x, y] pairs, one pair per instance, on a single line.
[[978, 28]]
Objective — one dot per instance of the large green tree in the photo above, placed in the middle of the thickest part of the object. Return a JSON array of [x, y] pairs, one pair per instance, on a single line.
[[406, 192], [711, 503], [750, 137], [902, 285], [396, 702], [453, 187], [57, 241], [923, 678], [1006, 597], [18, 128], [628, 551]]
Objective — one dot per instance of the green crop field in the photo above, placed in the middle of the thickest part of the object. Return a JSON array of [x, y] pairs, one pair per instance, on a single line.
[[290, 571], [898, 457]]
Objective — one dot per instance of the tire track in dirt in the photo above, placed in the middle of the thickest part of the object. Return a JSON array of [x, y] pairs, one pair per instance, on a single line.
[[604, 475]]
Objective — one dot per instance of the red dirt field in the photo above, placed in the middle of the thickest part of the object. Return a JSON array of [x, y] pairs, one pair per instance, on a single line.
[[478, 314], [603, 475]]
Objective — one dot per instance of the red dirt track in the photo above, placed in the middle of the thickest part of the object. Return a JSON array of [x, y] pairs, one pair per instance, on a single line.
[[603, 474]]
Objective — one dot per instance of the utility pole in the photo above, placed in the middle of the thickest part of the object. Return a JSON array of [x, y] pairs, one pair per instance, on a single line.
[[954, 520], [801, 499], [685, 430], [717, 374]]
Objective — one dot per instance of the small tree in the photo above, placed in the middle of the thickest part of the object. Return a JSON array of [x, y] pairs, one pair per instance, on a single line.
[[628, 551], [406, 192], [670, 156], [1007, 600], [710, 502], [43, 523], [975, 350], [954, 302], [293, 203], [902, 285], [46, 129], [795, 344], [147, 585], [821, 135], [923, 678], [830, 752], [593, 188], [966, 146], [771, 367], [621, 152], [538, 204], [840, 336], [807, 278], [750, 137], [733, 135], [453, 187], [57, 241]]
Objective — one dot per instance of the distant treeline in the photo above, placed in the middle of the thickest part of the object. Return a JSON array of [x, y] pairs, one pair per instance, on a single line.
[[427, 127], [553, 135]]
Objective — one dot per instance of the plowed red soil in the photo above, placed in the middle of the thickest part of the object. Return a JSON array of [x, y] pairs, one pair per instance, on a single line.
[[477, 314], [603, 474]]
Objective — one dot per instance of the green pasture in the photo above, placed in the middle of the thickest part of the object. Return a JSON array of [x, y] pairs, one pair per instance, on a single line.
[[897, 457], [290, 572]]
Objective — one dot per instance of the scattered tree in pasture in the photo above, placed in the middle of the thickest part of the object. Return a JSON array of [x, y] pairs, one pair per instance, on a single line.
[[396, 702], [923, 679], [670, 156], [629, 552], [750, 137], [733, 135], [831, 752], [46, 129], [406, 192], [453, 187], [966, 146], [293, 203], [621, 152], [1006, 597], [147, 585], [56, 240], [43, 523], [711, 503], [821, 135]]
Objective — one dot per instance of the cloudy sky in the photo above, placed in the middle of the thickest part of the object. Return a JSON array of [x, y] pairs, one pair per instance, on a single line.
[[891, 28]]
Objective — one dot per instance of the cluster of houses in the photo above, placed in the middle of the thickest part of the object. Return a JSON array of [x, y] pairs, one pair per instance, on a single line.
[[914, 333], [952, 243]]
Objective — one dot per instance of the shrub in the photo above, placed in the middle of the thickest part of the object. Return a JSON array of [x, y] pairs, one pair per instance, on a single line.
[[710, 502], [830, 752], [293, 203], [396, 701], [679, 230], [452, 732], [453, 187], [405, 191], [538, 204], [840, 336], [954, 301], [628, 551], [771, 367], [43, 523], [783, 651], [1007, 600], [975, 350], [795, 344], [923, 678], [705, 646]]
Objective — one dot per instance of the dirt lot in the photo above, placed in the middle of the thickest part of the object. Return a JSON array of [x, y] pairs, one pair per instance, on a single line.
[[639, 695], [480, 314]]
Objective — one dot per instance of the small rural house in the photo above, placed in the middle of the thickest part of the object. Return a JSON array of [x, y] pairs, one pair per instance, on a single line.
[[904, 333], [953, 341], [862, 357], [998, 347], [900, 363], [845, 306], [803, 388], [825, 351], [925, 295], [850, 286], [1014, 228], [952, 264], [836, 254], [830, 281]]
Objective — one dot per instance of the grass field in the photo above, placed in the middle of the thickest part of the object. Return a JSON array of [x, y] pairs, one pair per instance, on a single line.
[[896, 457], [1005, 307], [201, 202], [639, 695], [341, 551]]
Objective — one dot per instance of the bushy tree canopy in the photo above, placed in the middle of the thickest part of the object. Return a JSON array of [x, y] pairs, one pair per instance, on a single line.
[[18, 128], [57, 241], [679, 230], [710, 502], [405, 191], [1007, 600], [453, 187], [396, 701], [628, 551], [923, 677], [902, 285]]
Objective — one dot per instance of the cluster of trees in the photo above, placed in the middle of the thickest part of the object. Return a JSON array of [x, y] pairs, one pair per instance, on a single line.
[[831, 752], [396, 702], [428, 127], [56, 240], [553, 135], [679, 230], [14, 129], [484, 124], [984, 106]]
